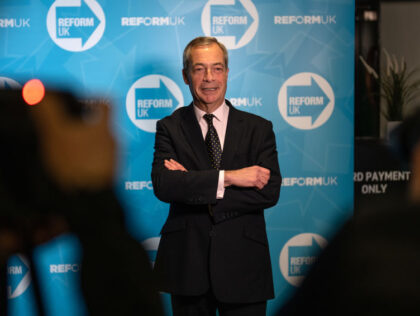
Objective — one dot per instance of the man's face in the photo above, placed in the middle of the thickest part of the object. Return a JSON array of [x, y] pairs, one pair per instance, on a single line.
[[207, 77]]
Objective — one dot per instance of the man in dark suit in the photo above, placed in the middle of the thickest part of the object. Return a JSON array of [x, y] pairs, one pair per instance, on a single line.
[[218, 172]]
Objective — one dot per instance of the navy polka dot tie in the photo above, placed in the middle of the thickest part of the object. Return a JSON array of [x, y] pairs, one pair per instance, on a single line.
[[213, 143]]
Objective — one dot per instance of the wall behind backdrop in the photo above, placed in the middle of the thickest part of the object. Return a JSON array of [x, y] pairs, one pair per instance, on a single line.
[[291, 61]]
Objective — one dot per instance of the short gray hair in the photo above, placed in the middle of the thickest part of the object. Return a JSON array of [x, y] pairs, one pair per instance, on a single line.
[[202, 41]]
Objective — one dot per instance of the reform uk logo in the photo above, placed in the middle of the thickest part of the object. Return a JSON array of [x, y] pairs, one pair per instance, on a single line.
[[76, 25], [14, 23], [232, 22], [18, 275], [306, 101], [298, 255], [151, 98]]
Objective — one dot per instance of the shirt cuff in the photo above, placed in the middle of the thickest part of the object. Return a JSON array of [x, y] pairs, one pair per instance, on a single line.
[[221, 185]]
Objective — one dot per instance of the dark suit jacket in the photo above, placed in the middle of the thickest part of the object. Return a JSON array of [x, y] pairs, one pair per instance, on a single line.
[[227, 251]]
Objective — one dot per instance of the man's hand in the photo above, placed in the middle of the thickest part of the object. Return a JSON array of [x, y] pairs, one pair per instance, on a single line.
[[174, 165], [254, 176]]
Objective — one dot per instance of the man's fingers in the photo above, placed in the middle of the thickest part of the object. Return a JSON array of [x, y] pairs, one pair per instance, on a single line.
[[263, 171], [168, 165], [254, 176], [172, 164], [263, 175], [178, 166], [261, 183], [175, 163]]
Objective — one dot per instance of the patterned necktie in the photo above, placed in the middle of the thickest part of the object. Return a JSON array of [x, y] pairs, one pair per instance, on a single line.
[[213, 143]]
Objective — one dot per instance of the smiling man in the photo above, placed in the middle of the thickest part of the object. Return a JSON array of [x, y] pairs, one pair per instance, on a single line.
[[218, 168]]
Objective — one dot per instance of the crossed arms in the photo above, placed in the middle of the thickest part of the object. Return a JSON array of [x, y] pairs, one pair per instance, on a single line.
[[249, 177], [246, 189]]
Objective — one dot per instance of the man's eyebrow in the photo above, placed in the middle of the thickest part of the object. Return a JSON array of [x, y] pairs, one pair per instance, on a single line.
[[215, 64]]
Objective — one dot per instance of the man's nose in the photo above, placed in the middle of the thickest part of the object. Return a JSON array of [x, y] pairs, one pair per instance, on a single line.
[[208, 74]]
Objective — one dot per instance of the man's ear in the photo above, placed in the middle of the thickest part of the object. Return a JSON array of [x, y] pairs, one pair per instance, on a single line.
[[185, 76]]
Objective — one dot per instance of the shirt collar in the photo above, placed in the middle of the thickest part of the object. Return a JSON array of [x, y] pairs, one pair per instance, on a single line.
[[220, 114]]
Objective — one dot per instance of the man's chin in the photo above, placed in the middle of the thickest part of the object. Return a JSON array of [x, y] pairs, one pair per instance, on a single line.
[[213, 103]]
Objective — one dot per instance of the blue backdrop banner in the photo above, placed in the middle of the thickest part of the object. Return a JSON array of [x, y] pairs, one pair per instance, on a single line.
[[291, 61]]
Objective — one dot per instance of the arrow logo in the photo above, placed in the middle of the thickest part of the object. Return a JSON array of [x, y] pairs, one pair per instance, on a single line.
[[230, 20], [304, 101], [302, 257], [19, 276], [76, 22], [154, 103]]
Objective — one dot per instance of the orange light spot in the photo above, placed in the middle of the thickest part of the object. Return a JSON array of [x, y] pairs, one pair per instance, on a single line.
[[33, 91]]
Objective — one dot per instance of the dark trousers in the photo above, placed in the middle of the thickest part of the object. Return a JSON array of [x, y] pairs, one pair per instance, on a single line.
[[206, 305]]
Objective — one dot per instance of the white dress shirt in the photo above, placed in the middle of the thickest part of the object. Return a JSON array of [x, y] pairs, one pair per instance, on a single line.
[[220, 124]]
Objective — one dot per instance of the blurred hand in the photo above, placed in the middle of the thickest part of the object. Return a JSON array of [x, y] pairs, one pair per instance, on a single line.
[[77, 154]]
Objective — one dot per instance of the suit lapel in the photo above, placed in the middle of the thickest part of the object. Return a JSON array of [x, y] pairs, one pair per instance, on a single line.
[[194, 137], [232, 138]]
